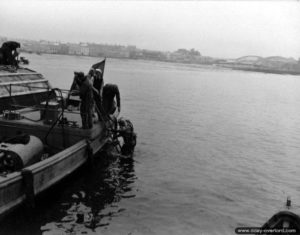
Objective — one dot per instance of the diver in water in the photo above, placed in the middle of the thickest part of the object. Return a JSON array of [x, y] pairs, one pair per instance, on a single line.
[[126, 131], [124, 137]]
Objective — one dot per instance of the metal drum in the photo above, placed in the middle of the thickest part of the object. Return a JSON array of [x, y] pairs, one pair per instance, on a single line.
[[15, 156]]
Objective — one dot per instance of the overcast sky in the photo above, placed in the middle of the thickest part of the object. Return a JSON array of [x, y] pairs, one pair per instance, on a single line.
[[216, 28]]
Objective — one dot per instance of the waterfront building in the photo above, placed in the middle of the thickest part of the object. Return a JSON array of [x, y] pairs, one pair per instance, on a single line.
[[63, 49], [84, 49], [74, 49], [95, 50]]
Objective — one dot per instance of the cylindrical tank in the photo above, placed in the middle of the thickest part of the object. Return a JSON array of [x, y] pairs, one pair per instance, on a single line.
[[17, 155]]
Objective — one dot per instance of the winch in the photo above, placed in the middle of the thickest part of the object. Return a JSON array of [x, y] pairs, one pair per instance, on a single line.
[[49, 111]]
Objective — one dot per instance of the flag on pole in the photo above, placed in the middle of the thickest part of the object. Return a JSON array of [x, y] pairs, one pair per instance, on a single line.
[[98, 84], [100, 66]]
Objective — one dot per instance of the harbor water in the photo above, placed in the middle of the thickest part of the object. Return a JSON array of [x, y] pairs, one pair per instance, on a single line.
[[216, 149]]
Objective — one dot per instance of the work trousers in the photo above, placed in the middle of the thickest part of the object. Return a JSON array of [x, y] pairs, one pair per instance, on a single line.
[[86, 112]]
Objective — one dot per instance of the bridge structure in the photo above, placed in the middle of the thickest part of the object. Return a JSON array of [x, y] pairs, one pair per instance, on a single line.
[[249, 60]]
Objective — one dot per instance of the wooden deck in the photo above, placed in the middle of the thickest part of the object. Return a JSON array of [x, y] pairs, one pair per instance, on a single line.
[[60, 137]]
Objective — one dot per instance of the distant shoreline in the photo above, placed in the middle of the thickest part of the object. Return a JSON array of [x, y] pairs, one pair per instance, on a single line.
[[219, 66], [262, 70], [273, 71]]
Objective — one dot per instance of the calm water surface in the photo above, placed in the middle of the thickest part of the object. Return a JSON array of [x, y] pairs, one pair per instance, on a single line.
[[216, 149]]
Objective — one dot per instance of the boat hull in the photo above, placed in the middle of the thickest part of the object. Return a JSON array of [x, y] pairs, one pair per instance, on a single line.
[[13, 187]]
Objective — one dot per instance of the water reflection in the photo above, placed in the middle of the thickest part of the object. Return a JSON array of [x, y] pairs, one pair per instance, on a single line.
[[86, 200], [95, 202]]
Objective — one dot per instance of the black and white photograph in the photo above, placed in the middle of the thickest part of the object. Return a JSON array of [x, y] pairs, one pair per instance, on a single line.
[[151, 117]]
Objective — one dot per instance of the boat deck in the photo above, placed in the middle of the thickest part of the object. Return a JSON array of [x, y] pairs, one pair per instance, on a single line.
[[22, 86], [26, 106], [59, 136]]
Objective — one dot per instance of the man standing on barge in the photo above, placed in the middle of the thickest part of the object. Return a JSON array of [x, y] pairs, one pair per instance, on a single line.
[[87, 99], [97, 81]]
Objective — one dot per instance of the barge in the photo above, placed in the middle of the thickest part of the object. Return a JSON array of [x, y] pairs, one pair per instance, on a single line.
[[42, 141]]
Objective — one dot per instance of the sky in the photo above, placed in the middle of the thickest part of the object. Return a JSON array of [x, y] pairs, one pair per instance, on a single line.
[[224, 29]]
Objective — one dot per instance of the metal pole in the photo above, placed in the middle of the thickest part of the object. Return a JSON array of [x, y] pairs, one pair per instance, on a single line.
[[10, 98]]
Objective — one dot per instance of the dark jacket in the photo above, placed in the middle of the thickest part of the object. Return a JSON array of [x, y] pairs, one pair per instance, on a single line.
[[98, 83], [11, 45], [7, 58], [110, 91], [86, 91]]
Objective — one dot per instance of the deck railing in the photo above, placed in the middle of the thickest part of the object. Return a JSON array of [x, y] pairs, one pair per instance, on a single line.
[[62, 97]]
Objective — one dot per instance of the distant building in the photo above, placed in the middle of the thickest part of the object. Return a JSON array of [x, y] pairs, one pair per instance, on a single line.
[[153, 55], [254, 63], [54, 48], [178, 56], [95, 50], [74, 49], [84, 49], [205, 60], [63, 49], [136, 54], [131, 48], [32, 47]]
